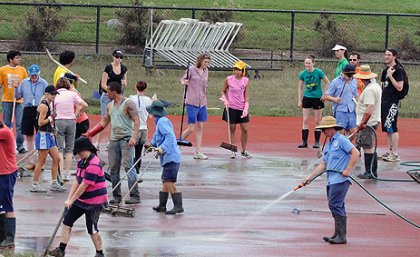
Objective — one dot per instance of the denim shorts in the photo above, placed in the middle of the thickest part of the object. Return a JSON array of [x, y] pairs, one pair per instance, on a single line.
[[170, 172], [196, 114], [104, 102], [7, 184], [347, 120]]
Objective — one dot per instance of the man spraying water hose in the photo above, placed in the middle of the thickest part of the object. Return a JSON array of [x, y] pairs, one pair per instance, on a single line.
[[339, 154], [368, 113]]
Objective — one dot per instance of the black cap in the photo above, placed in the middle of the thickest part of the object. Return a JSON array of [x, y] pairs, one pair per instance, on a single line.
[[117, 52], [83, 144], [52, 90]]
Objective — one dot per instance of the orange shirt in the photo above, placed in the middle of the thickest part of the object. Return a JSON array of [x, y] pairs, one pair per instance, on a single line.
[[359, 82], [9, 76]]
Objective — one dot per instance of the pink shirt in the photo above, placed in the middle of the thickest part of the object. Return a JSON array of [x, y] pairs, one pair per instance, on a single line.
[[197, 88], [236, 92], [64, 104]]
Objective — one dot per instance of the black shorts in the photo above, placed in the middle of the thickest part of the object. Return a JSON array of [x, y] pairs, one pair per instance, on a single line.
[[29, 121], [314, 103], [235, 116], [81, 128], [389, 117], [91, 218]]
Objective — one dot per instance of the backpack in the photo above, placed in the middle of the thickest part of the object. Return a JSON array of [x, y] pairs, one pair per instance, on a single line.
[[403, 93]]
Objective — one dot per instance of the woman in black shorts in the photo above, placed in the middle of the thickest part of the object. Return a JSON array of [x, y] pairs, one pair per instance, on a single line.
[[310, 78]]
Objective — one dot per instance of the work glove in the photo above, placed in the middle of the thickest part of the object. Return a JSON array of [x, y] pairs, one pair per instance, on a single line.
[[224, 100], [245, 111], [159, 151]]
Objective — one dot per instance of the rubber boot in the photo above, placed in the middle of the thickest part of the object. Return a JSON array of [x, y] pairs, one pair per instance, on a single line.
[[317, 134], [368, 161], [2, 227], [163, 199], [305, 134], [341, 237], [327, 239], [10, 231], [177, 199], [375, 165]]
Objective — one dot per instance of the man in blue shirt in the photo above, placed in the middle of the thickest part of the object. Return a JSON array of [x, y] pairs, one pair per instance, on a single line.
[[170, 157], [31, 90], [343, 93], [340, 156]]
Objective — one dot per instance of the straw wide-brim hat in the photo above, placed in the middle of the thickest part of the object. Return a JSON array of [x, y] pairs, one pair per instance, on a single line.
[[83, 144], [329, 122], [157, 109], [365, 73]]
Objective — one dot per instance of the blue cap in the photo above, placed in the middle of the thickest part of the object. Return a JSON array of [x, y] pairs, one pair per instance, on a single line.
[[34, 70]]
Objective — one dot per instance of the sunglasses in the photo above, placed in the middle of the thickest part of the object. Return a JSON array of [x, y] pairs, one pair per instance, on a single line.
[[353, 60], [118, 57]]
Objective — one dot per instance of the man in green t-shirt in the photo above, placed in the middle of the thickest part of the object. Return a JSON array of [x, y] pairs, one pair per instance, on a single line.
[[341, 54]]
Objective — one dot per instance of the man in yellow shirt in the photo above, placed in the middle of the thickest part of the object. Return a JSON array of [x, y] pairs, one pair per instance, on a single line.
[[11, 75], [66, 58]]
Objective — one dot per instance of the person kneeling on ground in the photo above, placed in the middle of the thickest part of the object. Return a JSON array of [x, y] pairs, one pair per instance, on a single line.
[[170, 157], [88, 195]]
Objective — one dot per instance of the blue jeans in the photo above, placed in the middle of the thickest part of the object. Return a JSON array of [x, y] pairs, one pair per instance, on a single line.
[[104, 102], [7, 118], [120, 152], [336, 194]]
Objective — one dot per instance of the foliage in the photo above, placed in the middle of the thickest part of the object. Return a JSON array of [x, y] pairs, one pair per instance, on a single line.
[[41, 25], [331, 34], [408, 50]]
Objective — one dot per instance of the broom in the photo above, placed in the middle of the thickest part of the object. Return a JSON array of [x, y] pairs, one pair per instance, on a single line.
[[229, 146], [181, 141]]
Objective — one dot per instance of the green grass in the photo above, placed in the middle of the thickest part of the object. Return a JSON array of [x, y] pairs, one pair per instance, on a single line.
[[273, 95], [268, 31]]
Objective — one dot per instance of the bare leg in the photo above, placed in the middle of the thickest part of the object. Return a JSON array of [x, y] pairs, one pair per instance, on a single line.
[[68, 157], [65, 234], [171, 187], [318, 117], [389, 142], [30, 143], [97, 241], [199, 137], [306, 115], [42, 156], [395, 137], [188, 131], [244, 135], [55, 155], [232, 134]]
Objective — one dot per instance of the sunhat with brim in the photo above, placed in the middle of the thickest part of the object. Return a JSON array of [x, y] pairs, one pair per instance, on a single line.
[[241, 66], [83, 144], [365, 73], [349, 69], [157, 109], [338, 47], [329, 122]]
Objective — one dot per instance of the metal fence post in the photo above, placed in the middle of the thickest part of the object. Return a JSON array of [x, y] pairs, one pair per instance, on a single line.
[[98, 19], [292, 34], [386, 31], [193, 13]]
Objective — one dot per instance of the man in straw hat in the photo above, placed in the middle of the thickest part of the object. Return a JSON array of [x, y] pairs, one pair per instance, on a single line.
[[170, 157], [368, 113], [340, 156], [341, 92]]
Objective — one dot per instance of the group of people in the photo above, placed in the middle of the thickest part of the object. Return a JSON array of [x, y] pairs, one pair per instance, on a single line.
[[358, 101]]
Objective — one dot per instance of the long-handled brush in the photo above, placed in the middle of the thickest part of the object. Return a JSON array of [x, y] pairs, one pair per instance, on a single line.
[[229, 146], [181, 141], [51, 239]]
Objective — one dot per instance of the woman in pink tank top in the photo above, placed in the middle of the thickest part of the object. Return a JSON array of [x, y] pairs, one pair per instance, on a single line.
[[236, 100]]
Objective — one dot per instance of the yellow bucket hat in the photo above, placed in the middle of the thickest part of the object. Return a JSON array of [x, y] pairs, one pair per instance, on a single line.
[[241, 66]]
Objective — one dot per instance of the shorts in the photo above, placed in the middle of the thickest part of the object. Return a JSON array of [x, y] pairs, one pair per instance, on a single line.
[[235, 116], [366, 138], [170, 172], [44, 141], [29, 121], [91, 218], [314, 103], [346, 119], [66, 132], [104, 102], [389, 117], [196, 114], [7, 184]]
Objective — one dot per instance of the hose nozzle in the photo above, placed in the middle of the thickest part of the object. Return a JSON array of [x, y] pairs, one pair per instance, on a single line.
[[300, 186]]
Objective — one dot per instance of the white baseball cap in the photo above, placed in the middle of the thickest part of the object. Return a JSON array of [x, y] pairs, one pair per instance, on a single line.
[[339, 47]]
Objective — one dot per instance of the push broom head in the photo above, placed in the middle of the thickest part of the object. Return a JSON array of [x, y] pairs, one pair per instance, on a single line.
[[183, 142], [415, 175], [228, 146]]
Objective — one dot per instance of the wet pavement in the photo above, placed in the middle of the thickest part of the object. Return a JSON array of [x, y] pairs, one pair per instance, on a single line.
[[233, 208]]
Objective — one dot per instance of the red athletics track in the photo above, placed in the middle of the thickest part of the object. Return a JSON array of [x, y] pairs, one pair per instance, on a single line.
[[231, 208]]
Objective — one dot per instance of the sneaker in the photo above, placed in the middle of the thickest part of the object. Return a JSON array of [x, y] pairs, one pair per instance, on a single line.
[[246, 154], [233, 155], [392, 158], [99, 255], [200, 156], [57, 252], [57, 187], [22, 151], [133, 200], [385, 155], [115, 201], [65, 177], [36, 188]]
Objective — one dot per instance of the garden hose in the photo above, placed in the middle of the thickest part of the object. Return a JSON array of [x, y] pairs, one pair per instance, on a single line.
[[379, 201], [403, 163]]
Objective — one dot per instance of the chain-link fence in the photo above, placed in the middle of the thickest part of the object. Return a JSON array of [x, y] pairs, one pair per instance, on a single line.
[[266, 37]]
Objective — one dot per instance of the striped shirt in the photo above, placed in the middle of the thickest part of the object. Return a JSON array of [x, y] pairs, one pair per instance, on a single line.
[[91, 172]]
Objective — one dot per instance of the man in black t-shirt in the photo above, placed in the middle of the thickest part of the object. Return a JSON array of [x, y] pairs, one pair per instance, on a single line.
[[392, 82]]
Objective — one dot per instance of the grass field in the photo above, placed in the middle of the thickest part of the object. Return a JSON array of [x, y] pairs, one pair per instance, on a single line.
[[268, 31], [273, 95]]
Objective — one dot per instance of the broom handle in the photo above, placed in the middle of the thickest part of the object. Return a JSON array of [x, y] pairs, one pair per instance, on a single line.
[[228, 122], [183, 102]]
